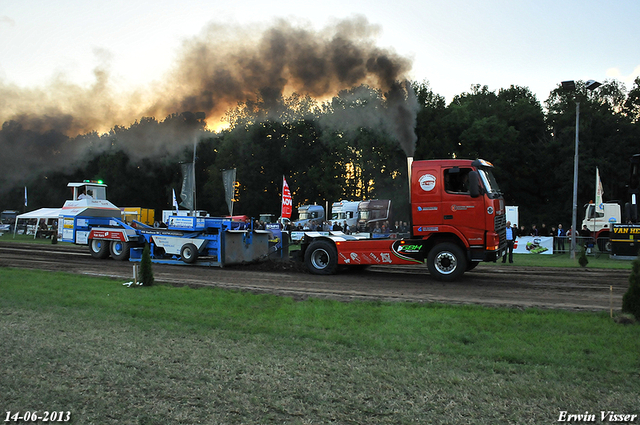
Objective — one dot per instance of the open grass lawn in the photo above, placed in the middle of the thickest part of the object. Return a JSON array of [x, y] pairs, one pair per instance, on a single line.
[[10, 237], [163, 355]]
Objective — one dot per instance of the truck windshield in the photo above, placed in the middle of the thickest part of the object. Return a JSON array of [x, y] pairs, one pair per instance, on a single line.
[[490, 183]]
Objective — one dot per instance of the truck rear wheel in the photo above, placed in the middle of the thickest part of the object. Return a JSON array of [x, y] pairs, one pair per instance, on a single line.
[[321, 257], [99, 248], [189, 253], [446, 261], [119, 250]]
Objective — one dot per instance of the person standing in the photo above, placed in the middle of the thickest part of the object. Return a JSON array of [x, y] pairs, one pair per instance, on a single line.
[[534, 231], [562, 234], [511, 239]]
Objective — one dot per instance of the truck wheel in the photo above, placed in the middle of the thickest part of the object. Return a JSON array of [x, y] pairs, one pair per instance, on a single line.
[[99, 248], [321, 258], [604, 244], [119, 250], [446, 262], [189, 253]]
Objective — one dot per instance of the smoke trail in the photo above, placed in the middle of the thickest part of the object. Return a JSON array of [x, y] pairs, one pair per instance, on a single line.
[[215, 70]]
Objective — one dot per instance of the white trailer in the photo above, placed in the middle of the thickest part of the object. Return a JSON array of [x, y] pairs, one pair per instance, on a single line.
[[512, 215]]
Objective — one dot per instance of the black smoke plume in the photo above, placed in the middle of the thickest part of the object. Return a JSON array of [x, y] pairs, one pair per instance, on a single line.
[[54, 127]]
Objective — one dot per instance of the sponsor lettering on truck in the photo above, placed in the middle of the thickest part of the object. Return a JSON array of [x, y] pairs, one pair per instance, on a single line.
[[458, 219]]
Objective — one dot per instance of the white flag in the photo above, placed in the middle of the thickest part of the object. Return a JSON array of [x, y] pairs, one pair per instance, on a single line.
[[599, 192], [175, 201]]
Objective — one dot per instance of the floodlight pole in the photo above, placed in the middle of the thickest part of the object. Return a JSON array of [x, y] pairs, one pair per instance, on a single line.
[[574, 217], [570, 85]]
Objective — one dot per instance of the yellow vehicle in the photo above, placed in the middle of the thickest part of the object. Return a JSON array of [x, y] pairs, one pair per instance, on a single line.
[[143, 215]]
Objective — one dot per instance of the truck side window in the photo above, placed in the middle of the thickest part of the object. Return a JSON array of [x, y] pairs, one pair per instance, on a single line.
[[456, 180], [593, 213]]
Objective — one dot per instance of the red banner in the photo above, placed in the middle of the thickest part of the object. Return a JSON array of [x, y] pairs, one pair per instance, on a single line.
[[287, 202]]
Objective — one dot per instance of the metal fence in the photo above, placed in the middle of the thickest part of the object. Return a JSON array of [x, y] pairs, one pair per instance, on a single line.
[[563, 244]]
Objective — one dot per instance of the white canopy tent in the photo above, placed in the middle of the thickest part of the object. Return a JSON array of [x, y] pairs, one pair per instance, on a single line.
[[42, 213]]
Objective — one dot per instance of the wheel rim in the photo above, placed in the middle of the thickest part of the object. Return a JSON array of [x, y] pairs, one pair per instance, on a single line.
[[96, 245], [117, 248], [320, 259], [446, 262], [187, 253]]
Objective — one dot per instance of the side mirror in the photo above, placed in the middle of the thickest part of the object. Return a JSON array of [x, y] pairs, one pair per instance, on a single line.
[[474, 184]]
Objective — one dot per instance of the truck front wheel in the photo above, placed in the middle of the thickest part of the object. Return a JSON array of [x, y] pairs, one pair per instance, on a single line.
[[446, 262], [99, 248], [321, 257]]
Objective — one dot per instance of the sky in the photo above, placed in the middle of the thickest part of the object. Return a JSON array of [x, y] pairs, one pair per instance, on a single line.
[[451, 44]]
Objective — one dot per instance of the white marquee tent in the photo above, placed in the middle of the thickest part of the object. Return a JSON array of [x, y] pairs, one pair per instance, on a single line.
[[42, 213]]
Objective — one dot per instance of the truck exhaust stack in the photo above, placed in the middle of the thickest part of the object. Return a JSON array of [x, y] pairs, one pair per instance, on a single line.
[[409, 162]]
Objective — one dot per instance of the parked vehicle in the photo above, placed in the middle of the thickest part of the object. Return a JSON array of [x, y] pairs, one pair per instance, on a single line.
[[373, 212], [342, 211], [308, 213], [625, 235]]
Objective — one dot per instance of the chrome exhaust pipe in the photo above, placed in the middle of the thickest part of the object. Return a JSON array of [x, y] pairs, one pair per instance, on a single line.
[[409, 163]]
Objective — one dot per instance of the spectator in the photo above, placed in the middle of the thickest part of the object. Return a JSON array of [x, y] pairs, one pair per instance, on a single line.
[[511, 239], [561, 235], [543, 230], [534, 231], [522, 232]]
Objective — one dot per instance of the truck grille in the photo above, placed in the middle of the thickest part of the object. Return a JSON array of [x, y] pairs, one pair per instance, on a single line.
[[500, 225]]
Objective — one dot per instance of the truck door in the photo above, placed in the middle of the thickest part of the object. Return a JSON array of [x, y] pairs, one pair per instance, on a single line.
[[426, 195], [459, 209]]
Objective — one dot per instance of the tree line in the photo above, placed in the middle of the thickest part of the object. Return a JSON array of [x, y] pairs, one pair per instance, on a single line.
[[342, 149]]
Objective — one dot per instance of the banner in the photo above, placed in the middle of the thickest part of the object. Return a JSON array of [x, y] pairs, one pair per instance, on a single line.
[[533, 245], [287, 202], [188, 184], [25, 196], [228, 181], [599, 192]]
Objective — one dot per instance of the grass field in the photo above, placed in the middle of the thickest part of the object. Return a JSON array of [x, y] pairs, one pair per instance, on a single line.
[[158, 355], [10, 237]]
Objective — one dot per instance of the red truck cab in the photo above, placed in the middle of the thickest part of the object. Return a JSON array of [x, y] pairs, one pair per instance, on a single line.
[[457, 220]]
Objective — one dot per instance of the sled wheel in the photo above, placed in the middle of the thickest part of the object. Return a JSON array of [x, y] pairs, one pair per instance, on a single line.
[[321, 258], [119, 250], [446, 262], [99, 248], [189, 253]]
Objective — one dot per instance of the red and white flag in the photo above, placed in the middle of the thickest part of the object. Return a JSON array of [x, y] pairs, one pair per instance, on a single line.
[[287, 202], [599, 192]]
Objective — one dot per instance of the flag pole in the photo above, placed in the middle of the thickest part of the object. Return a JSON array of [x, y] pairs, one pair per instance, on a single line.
[[193, 211]]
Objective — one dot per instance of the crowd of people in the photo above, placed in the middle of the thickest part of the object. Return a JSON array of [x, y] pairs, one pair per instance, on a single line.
[[560, 234], [342, 226]]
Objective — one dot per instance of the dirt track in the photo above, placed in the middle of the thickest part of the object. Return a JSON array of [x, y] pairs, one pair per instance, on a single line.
[[489, 284]]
